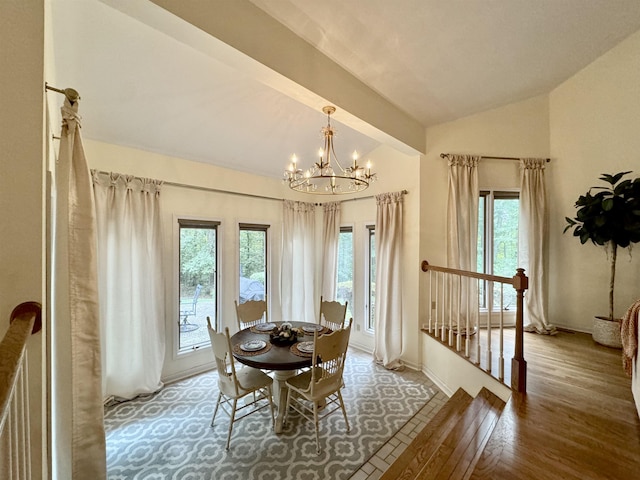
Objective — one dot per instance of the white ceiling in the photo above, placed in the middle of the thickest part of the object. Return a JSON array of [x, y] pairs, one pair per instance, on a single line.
[[436, 60]]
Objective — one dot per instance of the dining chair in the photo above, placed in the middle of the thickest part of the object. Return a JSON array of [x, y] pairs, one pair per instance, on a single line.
[[251, 312], [332, 314], [235, 385], [322, 383]]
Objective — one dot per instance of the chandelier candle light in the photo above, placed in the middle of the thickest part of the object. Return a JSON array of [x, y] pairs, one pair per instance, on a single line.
[[322, 178]]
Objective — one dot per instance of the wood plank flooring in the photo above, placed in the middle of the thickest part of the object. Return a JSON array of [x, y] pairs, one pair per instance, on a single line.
[[577, 420]]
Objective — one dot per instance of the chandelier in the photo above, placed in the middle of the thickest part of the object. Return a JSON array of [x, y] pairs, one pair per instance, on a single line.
[[325, 179]]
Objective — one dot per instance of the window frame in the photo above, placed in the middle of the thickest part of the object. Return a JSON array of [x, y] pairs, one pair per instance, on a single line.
[[350, 307], [369, 315], [187, 221], [489, 196], [267, 256]]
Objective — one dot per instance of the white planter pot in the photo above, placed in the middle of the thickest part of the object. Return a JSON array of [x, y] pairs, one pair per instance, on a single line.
[[607, 332]]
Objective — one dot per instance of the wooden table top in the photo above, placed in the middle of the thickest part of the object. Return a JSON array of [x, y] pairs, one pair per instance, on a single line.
[[277, 357]]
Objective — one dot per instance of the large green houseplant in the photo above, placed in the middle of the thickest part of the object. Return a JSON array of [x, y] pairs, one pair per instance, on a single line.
[[610, 218]]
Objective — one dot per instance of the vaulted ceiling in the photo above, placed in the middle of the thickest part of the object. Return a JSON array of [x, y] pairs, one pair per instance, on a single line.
[[241, 83]]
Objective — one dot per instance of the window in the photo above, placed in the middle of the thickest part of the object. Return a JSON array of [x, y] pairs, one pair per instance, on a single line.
[[198, 282], [371, 280], [344, 277], [498, 242], [253, 262]]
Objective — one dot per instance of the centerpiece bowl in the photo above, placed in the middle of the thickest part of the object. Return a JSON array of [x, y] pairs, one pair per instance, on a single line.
[[284, 335]]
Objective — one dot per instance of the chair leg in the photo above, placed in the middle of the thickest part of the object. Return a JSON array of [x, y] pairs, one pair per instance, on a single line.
[[344, 412], [315, 421], [231, 420], [216, 410]]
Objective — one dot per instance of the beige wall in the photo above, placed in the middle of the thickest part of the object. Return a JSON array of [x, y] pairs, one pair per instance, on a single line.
[[519, 129], [22, 199], [232, 209], [595, 126], [588, 125]]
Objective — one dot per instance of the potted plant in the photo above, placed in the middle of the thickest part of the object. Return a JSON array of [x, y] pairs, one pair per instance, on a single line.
[[610, 218]]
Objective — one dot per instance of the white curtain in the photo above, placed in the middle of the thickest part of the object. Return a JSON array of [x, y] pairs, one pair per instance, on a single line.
[[331, 236], [131, 283], [532, 236], [462, 231], [388, 308], [298, 262], [76, 312]]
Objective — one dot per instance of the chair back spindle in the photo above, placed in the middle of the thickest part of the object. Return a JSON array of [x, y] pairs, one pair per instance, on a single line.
[[15, 451]]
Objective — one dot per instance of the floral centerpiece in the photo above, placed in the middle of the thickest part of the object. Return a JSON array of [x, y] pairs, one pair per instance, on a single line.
[[285, 334]]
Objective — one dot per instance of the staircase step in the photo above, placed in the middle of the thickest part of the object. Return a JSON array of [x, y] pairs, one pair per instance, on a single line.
[[410, 462], [458, 453]]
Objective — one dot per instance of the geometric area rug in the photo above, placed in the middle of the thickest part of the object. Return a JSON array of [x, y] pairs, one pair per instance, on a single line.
[[167, 435]]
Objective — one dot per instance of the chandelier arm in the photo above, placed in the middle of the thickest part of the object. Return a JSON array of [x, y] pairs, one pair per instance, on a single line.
[[321, 178]]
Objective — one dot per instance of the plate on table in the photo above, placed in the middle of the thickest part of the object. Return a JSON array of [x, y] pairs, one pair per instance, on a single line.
[[305, 347], [312, 328], [265, 327], [253, 346]]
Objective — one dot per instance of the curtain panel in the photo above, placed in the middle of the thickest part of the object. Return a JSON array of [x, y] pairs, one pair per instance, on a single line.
[[532, 235], [462, 235], [131, 283], [297, 279], [388, 308], [330, 237], [75, 310]]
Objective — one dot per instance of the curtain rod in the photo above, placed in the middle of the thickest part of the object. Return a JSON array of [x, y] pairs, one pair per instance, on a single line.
[[71, 94], [406, 192], [252, 195], [218, 190], [240, 194], [446, 155], [207, 189]]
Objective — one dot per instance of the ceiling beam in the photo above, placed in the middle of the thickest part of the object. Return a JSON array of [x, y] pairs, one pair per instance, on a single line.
[[243, 36]]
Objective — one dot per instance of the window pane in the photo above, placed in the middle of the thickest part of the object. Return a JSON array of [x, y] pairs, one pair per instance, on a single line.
[[498, 215], [372, 279], [253, 264], [197, 284], [344, 280], [481, 265], [505, 245]]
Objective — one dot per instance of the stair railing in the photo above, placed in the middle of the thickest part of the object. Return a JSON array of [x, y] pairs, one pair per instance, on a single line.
[[15, 450], [454, 312]]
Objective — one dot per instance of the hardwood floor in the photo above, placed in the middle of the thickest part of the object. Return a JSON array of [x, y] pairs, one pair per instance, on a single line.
[[577, 421]]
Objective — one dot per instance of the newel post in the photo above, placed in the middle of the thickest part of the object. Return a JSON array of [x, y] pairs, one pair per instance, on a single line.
[[518, 363]]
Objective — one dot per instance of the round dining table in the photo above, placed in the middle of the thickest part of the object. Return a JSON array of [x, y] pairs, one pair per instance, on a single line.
[[280, 359]]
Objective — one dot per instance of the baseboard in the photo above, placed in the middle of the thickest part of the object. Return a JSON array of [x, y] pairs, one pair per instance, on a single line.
[[359, 346], [363, 349], [439, 383], [175, 377]]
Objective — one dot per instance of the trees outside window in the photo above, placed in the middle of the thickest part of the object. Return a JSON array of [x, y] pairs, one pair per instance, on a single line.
[[252, 247], [371, 278], [498, 216], [344, 280], [198, 282]]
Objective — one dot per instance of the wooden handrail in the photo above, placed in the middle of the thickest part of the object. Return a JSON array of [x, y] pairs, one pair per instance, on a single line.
[[520, 283], [24, 320], [426, 266]]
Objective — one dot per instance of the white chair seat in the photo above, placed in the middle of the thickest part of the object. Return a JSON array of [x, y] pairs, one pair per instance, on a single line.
[[234, 384], [251, 379], [309, 389]]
